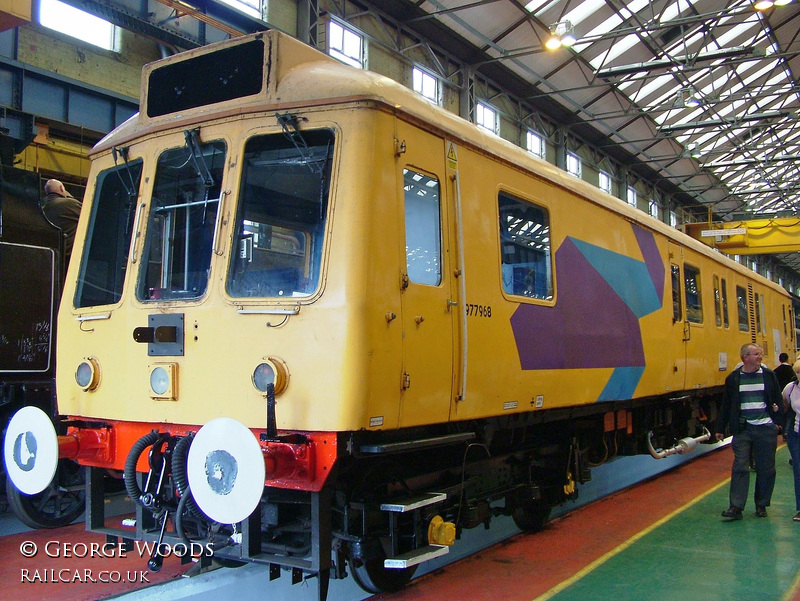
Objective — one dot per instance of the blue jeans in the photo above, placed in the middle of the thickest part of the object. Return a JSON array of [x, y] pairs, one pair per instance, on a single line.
[[763, 442], [793, 442]]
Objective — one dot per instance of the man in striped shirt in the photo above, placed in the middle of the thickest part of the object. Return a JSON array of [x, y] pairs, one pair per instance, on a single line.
[[752, 412]]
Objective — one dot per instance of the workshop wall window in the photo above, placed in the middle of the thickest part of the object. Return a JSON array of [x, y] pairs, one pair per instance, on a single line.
[[632, 197], [604, 181], [574, 164], [250, 7], [486, 117], [78, 24], [426, 85], [346, 45], [534, 143]]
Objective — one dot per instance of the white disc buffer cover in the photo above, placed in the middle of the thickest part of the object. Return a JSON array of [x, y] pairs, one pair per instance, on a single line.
[[226, 470], [30, 450]]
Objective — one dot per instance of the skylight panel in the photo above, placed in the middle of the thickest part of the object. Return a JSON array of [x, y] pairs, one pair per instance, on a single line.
[[655, 84], [673, 11], [619, 47], [535, 5], [583, 11], [737, 32]]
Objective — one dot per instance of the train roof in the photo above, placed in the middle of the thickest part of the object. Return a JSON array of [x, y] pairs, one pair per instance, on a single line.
[[174, 95]]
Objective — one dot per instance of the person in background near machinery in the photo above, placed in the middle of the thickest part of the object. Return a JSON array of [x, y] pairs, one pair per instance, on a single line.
[[63, 211], [791, 404], [752, 411]]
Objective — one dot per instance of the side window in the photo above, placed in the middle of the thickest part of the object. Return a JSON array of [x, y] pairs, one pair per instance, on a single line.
[[676, 294], [525, 248], [717, 302], [761, 318], [725, 320], [694, 297], [105, 253], [741, 304], [423, 228], [785, 331]]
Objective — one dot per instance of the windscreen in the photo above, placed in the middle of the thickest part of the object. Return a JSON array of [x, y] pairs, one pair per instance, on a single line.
[[280, 223]]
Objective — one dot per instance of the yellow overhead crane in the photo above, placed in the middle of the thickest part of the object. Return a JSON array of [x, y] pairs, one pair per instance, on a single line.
[[749, 237]]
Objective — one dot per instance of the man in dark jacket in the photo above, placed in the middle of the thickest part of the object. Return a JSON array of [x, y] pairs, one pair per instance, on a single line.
[[752, 411], [63, 211]]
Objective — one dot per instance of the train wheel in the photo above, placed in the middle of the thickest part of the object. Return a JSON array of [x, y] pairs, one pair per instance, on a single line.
[[374, 578], [57, 505], [531, 516]]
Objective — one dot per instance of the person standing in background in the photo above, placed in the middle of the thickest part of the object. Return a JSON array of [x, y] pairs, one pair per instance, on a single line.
[[752, 411]]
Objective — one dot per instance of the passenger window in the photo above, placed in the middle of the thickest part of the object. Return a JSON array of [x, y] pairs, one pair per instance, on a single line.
[[741, 304], [725, 320], [761, 318], [694, 299], [525, 248], [423, 228], [676, 294], [717, 302], [785, 331]]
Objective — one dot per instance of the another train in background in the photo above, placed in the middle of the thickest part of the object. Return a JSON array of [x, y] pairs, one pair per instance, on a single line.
[[321, 324], [31, 277]]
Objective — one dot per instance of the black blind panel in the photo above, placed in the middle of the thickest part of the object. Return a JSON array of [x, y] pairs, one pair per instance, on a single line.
[[206, 79], [26, 308]]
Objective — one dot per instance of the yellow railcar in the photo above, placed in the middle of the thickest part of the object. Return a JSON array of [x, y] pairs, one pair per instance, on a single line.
[[319, 312]]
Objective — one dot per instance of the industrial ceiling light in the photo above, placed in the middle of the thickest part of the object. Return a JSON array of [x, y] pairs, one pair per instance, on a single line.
[[687, 98], [692, 150], [763, 4], [561, 34]]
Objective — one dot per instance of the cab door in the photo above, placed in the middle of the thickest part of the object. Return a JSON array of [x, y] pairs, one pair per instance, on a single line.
[[429, 309]]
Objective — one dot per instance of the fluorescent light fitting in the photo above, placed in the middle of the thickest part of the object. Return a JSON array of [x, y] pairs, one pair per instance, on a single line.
[[763, 4]]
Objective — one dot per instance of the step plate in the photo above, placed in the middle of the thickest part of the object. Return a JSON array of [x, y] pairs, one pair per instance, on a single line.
[[417, 556], [412, 503]]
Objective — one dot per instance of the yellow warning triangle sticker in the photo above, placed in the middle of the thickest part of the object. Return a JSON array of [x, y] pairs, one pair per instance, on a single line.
[[451, 152]]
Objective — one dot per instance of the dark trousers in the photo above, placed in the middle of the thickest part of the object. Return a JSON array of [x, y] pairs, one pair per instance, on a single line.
[[793, 442], [762, 441]]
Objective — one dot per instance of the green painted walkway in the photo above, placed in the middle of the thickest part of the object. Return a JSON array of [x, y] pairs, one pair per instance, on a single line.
[[691, 556]]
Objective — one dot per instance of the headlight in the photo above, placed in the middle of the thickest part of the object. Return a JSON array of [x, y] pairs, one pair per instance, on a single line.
[[87, 375], [272, 371], [163, 384]]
